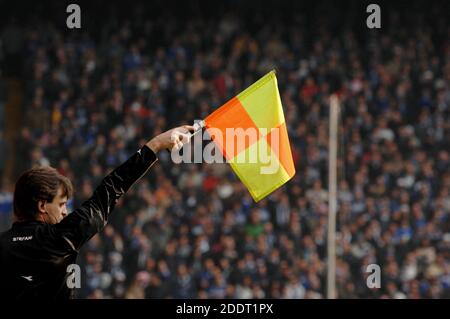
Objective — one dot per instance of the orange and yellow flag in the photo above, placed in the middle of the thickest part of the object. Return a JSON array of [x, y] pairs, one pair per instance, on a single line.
[[250, 131]]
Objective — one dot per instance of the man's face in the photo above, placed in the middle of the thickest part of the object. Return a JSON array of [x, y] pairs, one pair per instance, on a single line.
[[57, 209]]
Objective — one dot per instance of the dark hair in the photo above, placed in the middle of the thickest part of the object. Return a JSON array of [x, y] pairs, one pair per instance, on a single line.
[[38, 183]]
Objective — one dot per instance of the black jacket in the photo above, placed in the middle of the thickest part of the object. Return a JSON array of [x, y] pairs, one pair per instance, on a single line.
[[34, 256]]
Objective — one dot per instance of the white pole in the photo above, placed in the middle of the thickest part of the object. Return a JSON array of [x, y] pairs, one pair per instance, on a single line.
[[332, 205]]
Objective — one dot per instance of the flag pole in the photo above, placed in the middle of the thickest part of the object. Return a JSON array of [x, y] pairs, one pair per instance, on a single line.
[[332, 203]]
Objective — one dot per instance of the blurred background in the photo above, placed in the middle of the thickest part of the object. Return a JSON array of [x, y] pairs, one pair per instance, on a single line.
[[83, 100]]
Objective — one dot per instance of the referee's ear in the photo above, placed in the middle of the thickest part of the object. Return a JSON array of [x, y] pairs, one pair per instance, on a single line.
[[41, 206]]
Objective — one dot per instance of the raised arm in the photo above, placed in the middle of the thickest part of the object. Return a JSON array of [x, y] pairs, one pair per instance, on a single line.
[[84, 222]]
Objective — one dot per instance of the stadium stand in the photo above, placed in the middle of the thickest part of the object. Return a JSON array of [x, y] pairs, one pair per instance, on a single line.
[[93, 96]]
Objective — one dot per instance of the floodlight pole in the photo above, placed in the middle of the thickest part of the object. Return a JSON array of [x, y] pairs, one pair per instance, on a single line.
[[332, 203]]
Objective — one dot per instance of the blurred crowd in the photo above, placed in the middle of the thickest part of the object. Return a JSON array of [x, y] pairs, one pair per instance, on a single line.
[[192, 230]]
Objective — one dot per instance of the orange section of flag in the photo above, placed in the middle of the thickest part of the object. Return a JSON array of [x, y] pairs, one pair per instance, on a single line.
[[231, 120], [279, 143]]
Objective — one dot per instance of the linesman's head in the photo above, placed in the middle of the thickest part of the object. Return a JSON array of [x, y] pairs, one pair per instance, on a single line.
[[41, 193]]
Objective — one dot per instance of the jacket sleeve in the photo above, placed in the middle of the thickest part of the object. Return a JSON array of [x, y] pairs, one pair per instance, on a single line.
[[84, 222]]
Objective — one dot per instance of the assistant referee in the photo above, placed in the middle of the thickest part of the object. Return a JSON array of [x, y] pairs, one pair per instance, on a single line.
[[44, 240]]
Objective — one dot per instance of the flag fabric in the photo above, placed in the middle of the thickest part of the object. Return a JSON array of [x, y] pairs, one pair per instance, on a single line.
[[250, 131]]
